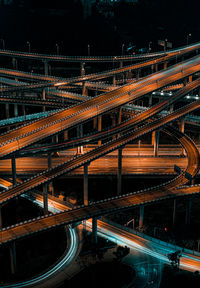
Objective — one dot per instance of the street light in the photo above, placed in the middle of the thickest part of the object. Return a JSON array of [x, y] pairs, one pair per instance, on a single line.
[[29, 46], [57, 49]]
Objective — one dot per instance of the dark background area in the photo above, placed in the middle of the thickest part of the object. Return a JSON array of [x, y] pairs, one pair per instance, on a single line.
[[105, 28]]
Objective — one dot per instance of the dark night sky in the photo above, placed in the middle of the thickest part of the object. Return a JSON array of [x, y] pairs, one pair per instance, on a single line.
[[45, 23]]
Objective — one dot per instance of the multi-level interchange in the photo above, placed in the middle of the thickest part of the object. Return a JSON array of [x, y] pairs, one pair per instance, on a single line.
[[174, 74]]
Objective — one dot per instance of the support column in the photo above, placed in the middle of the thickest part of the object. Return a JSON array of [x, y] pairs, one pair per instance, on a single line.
[[141, 219], [171, 108], [99, 126], [138, 74], [45, 198], [119, 172], [82, 68], [182, 125], [165, 65], [119, 120], [14, 176], [14, 63], [114, 80], [13, 266], [24, 111], [79, 135], [66, 135], [84, 89], [0, 217], [46, 68], [94, 230], [95, 119], [188, 210], [7, 111], [190, 78], [150, 100], [50, 185], [156, 143], [85, 184], [156, 67], [15, 110], [43, 98], [174, 212]]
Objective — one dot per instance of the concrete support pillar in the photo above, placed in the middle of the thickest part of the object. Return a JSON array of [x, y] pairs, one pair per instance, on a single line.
[[99, 126], [119, 120], [1, 218], [137, 74], [188, 210], [46, 68], [114, 80], [85, 184], [14, 175], [156, 67], [165, 65], [119, 172], [15, 110], [141, 219], [174, 212], [171, 108], [95, 119], [66, 136], [182, 125], [24, 111], [14, 63], [13, 263], [94, 230], [150, 100], [45, 198], [156, 143], [113, 117], [84, 89], [190, 78], [79, 135], [50, 185], [82, 68], [43, 98], [7, 111]]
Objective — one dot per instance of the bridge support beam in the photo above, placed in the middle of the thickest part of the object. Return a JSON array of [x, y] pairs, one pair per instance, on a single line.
[[1, 223], [156, 142], [119, 172], [150, 100], [165, 65], [79, 135], [13, 263], [43, 98], [46, 68], [174, 212], [66, 135], [99, 126], [182, 125], [85, 184], [45, 198], [141, 219], [14, 63], [95, 119], [14, 175], [15, 110], [82, 68], [114, 80], [7, 111], [188, 210], [50, 186], [84, 89], [94, 230]]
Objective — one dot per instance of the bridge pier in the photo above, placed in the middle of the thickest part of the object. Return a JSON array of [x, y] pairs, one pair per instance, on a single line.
[[50, 186], [7, 111], [165, 65], [85, 184], [94, 230], [66, 135], [155, 142], [84, 89], [188, 210], [190, 78], [43, 98], [141, 219], [119, 172], [79, 135], [14, 63], [14, 176], [99, 126], [46, 67], [95, 119], [150, 100], [15, 110], [137, 74], [13, 262], [1, 223], [45, 198], [114, 80], [182, 125], [82, 68]]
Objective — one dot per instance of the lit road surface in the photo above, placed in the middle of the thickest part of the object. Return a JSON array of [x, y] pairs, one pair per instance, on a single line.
[[131, 164], [123, 237]]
